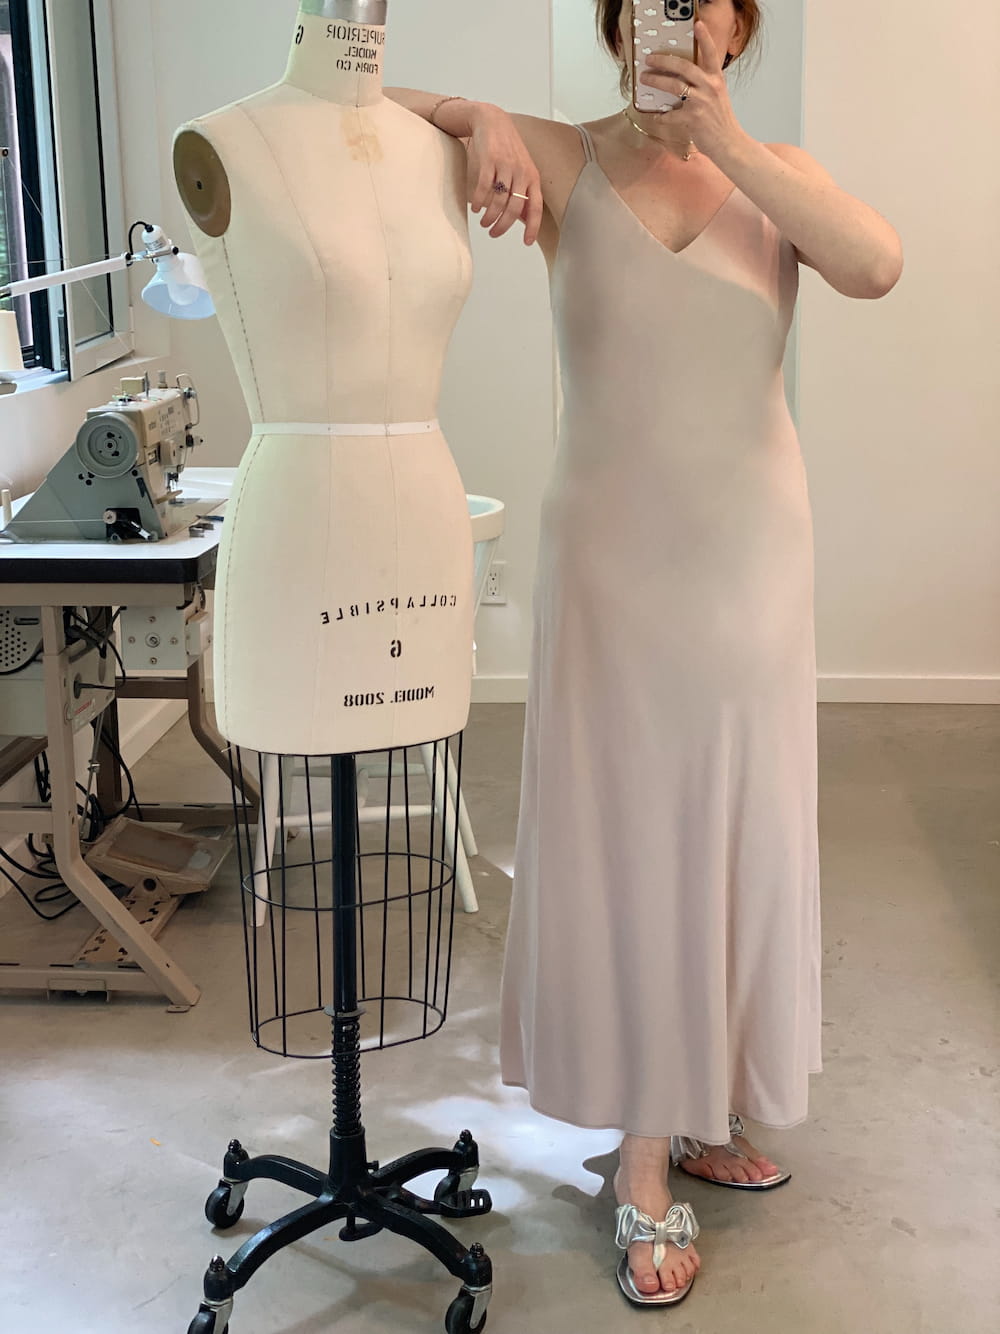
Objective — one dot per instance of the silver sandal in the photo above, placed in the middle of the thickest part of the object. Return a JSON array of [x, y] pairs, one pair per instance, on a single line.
[[681, 1148], [679, 1228]]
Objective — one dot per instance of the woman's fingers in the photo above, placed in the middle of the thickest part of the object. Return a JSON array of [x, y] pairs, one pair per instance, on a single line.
[[526, 204], [533, 209], [500, 197], [503, 182], [663, 66], [481, 178], [510, 211], [709, 58], [519, 208]]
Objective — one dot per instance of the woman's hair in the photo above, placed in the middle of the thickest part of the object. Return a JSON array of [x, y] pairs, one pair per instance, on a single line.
[[609, 14]]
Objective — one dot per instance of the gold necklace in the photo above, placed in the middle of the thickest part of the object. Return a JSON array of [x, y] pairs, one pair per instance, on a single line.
[[686, 157]]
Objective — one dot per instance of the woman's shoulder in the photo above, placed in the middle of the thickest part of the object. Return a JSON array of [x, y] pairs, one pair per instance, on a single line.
[[546, 136], [556, 149]]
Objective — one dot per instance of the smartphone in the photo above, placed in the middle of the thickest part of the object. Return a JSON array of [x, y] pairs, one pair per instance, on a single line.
[[660, 25]]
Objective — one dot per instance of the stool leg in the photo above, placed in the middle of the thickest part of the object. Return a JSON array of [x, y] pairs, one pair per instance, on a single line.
[[263, 852], [464, 823], [446, 810]]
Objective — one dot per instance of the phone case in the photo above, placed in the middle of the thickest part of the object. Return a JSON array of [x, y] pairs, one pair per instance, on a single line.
[[660, 25]]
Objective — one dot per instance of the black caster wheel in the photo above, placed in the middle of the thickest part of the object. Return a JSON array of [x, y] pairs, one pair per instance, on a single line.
[[459, 1317], [217, 1213], [204, 1323]]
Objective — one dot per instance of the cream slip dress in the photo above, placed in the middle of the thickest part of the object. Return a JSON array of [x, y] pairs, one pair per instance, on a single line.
[[663, 955]]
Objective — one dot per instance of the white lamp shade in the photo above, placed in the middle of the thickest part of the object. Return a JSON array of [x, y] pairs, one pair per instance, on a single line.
[[10, 344], [179, 289]]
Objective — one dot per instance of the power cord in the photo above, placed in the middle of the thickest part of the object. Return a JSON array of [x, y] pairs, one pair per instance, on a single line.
[[54, 892], [78, 628], [131, 801], [95, 820], [93, 817]]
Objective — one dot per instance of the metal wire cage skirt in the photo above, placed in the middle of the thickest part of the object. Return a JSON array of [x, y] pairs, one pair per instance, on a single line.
[[347, 874]]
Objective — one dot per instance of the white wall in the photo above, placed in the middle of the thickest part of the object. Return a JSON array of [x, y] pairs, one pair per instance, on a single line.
[[900, 400]]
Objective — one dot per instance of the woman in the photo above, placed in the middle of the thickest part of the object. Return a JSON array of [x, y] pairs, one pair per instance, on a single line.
[[663, 957]]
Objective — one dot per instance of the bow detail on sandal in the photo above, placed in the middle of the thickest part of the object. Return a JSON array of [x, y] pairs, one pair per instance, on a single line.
[[680, 1227]]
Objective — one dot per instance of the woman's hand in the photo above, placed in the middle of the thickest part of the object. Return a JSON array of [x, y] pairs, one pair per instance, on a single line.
[[498, 157], [844, 239], [707, 116]]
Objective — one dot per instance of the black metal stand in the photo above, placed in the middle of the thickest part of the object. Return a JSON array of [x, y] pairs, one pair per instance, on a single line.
[[368, 1197]]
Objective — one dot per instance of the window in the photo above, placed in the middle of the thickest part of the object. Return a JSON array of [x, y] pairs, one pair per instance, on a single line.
[[60, 179]]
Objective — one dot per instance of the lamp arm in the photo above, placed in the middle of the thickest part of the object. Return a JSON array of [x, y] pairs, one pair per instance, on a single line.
[[79, 275]]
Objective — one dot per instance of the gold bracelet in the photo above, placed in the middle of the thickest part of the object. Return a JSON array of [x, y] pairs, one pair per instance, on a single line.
[[438, 105]]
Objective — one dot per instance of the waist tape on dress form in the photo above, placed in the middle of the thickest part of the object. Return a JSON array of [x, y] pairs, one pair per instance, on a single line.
[[346, 428]]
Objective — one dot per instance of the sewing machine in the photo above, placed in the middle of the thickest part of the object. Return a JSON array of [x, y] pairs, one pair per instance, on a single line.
[[118, 481]]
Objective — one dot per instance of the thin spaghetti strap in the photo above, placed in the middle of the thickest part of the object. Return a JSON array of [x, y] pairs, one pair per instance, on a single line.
[[588, 144]]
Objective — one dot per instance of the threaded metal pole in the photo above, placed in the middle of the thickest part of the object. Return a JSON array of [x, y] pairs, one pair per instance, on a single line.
[[346, 1017]]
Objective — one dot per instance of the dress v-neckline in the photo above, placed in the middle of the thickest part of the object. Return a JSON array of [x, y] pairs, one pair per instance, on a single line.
[[593, 162]]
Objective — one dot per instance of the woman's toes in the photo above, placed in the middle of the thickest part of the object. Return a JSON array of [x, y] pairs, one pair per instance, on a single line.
[[641, 1264], [671, 1277]]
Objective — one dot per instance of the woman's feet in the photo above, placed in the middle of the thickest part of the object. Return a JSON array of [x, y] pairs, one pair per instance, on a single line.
[[642, 1180], [737, 1163]]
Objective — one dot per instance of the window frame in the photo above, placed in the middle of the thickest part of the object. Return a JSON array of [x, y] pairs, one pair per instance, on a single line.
[[50, 238]]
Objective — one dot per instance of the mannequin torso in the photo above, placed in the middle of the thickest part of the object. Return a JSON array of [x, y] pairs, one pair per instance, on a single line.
[[332, 226]]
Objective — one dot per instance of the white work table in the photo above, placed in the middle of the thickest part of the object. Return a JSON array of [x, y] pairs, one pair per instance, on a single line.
[[58, 575]]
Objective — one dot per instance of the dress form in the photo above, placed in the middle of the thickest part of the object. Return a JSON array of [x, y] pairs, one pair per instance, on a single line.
[[332, 227]]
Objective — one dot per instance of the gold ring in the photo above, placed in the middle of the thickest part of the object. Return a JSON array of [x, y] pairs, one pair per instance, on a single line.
[[515, 195], [685, 91]]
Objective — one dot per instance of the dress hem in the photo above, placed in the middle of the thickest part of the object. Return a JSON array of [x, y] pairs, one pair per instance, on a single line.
[[640, 1134]]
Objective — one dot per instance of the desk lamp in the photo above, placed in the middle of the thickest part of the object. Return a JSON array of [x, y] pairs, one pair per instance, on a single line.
[[177, 289]]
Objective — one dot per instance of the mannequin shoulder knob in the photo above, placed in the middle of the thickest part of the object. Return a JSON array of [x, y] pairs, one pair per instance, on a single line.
[[202, 182]]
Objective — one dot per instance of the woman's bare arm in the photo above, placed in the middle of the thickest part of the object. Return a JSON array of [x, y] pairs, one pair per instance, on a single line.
[[497, 154], [844, 239], [854, 248]]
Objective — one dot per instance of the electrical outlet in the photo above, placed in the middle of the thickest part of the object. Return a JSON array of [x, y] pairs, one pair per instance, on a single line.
[[495, 592]]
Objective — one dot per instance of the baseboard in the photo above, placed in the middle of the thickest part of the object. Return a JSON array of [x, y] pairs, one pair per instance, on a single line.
[[154, 720], [499, 689], [832, 689], [909, 689]]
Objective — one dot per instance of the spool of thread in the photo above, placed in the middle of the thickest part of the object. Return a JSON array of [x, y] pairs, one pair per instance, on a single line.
[[10, 344]]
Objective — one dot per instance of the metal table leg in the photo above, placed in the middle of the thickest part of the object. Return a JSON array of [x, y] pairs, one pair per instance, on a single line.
[[151, 959]]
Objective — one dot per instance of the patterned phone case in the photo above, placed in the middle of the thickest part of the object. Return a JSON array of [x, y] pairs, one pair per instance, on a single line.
[[660, 25]]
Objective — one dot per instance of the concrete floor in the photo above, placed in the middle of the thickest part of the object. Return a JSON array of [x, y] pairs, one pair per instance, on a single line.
[[116, 1116]]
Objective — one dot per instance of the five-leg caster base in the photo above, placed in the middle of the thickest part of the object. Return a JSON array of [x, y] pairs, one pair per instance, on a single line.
[[367, 1198]]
